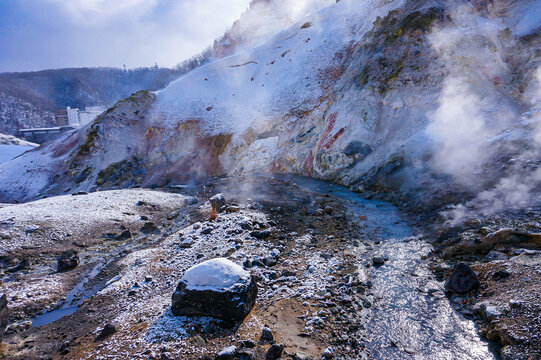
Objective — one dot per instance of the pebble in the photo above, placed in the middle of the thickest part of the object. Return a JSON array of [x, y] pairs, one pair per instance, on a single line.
[[266, 334]]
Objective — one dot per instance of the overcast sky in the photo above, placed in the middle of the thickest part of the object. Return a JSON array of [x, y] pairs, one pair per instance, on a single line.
[[45, 34]]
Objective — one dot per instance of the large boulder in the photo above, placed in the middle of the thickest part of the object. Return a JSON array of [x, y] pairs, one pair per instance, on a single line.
[[4, 315], [217, 288], [462, 280]]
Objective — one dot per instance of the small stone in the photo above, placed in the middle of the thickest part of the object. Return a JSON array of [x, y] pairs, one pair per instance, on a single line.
[[217, 202], [227, 353], [328, 353], [462, 280], [69, 259], [108, 330], [266, 334], [501, 274], [150, 228], [186, 243], [378, 260], [274, 352], [328, 210], [245, 354], [250, 344], [207, 230], [260, 235]]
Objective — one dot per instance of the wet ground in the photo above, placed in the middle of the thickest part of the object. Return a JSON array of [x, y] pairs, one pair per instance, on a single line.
[[324, 291]]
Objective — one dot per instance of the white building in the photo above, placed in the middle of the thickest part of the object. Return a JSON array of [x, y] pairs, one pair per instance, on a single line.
[[78, 117]]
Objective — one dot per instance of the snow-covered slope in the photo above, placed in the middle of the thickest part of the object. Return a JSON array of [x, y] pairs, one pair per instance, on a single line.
[[434, 102]]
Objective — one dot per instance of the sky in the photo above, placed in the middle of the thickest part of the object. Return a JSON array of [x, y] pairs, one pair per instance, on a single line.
[[47, 34]]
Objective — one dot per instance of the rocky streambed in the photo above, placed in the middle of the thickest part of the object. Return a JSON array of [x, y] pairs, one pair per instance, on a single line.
[[338, 276]]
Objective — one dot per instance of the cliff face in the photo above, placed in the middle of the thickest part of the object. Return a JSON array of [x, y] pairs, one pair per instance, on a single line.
[[429, 103]]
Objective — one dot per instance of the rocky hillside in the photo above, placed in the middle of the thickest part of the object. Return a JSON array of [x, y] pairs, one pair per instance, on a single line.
[[425, 103], [30, 99]]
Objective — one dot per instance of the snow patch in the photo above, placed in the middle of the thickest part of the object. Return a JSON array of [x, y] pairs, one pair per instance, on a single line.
[[216, 274]]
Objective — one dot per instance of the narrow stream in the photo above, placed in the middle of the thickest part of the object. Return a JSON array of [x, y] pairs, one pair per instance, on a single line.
[[411, 317]]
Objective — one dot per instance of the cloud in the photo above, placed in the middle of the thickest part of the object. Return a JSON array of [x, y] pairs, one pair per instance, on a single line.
[[76, 33]]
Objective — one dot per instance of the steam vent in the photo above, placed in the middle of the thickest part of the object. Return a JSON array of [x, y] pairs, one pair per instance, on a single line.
[[327, 179]]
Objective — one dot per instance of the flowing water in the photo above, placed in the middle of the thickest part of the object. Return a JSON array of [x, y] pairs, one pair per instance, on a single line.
[[411, 318]]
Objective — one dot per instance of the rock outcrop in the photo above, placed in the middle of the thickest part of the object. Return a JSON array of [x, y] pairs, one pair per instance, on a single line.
[[217, 288]]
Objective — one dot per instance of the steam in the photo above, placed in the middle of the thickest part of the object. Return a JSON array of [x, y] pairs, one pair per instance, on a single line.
[[477, 118]]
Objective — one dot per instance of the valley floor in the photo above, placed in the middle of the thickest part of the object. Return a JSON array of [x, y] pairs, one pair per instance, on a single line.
[[314, 250]]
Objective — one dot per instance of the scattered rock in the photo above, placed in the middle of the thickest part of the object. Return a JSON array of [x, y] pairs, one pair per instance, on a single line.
[[217, 288], [462, 280], [260, 235], [186, 243], [245, 354], [274, 352], [250, 344], [378, 260], [207, 230], [69, 259], [227, 353], [217, 202], [150, 228], [328, 353], [266, 334], [108, 330], [4, 315], [501, 274]]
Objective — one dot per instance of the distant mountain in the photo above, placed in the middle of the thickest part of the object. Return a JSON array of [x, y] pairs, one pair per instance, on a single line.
[[29, 99]]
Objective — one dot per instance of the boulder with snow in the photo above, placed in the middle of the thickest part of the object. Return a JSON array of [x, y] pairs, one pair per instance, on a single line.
[[217, 288]]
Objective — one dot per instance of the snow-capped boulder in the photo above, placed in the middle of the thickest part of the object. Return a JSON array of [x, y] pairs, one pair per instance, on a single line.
[[217, 288]]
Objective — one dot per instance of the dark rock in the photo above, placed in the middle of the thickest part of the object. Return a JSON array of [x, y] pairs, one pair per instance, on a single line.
[[227, 353], [378, 260], [462, 280], [358, 148], [217, 288], [150, 228], [217, 202], [328, 353], [270, 261], [274, 352], [245, 354], [207, 230], [501, 274], [23, 264], [247, 263], [108, 330], [260, 235], [4, 315], [232, 209], [68, 260], [250, 344], [186, 243], [328, 210], [266, 334], [124, 235]]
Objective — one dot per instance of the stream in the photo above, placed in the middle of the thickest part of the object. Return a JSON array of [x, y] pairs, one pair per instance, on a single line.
[[411, 318]]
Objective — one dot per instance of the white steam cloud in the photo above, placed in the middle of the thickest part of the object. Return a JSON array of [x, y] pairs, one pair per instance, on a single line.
[[477, 117]]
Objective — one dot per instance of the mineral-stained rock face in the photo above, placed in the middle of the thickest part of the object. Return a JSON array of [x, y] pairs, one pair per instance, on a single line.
[[462, 280], [217, 288]]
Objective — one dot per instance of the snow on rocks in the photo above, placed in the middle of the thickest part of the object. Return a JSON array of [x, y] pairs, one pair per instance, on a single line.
[[218, 288]]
